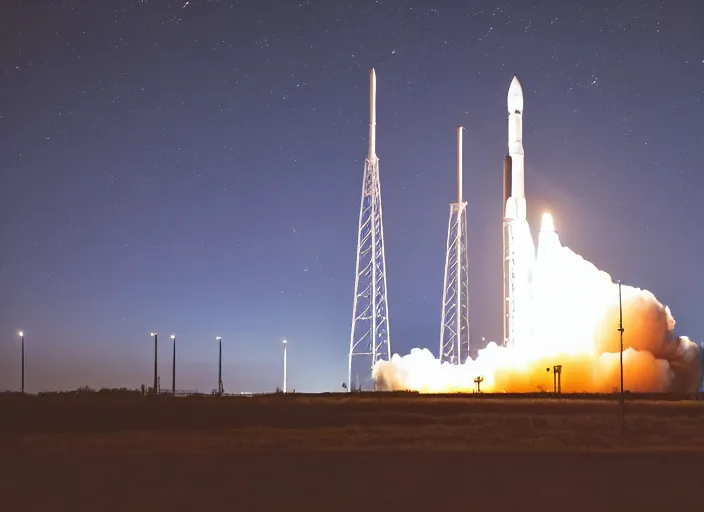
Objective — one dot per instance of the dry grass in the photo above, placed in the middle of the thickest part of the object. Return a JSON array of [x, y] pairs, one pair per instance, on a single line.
[[386, 452], [90, 423]]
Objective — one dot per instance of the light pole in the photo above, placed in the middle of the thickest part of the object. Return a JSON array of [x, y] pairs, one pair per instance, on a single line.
[[220, 386], [285, 365], [156, 337], [173, 368], [620, 331], [22, 343]]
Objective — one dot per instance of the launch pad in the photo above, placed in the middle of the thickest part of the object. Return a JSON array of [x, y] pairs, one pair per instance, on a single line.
[[369, 338], [559, 310]]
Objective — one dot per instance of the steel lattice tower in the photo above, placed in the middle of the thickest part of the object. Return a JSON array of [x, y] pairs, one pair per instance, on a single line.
[[454, 326], [369, 337]]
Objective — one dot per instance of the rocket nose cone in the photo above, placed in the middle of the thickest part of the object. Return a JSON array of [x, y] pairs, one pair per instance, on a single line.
[[514, 100]]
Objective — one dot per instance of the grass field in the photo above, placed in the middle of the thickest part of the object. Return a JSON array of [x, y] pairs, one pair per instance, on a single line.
[[123, 451]]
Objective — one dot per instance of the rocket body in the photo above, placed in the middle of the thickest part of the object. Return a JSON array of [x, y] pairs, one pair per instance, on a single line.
[[516, 235], [515, 146]]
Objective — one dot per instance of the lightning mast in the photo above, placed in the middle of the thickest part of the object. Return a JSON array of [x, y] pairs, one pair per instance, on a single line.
[[454, 325], [369, 337]]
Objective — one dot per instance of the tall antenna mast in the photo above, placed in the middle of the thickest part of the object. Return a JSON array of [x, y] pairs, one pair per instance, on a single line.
[[369, 337], [454, 325]]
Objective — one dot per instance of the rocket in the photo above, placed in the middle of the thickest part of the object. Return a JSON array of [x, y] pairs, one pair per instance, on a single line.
[[514, 170], [514, 208]]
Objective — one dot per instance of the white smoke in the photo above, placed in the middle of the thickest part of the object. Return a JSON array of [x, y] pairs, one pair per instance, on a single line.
[[571, 319]]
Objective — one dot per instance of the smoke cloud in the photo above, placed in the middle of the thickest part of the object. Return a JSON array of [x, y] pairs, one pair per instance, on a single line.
[[570, 319]]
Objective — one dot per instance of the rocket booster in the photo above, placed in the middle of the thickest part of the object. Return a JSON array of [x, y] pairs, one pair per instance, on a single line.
[[514, 102], [507, 189]]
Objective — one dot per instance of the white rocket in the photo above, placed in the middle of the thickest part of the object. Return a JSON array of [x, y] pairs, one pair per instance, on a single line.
[[514, 102], [514, 206]]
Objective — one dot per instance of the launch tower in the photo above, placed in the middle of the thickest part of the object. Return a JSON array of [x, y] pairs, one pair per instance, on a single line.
[[369, 337], [454, 325]]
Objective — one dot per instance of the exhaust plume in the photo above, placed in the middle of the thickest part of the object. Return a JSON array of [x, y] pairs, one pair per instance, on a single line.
[[570, 319]]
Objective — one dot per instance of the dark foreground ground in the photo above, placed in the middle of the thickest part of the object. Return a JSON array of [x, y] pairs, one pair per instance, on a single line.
[[388, 453]]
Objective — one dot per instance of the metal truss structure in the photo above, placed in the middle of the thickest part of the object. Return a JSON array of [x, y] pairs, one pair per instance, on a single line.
[[454, 325], [369, 337]]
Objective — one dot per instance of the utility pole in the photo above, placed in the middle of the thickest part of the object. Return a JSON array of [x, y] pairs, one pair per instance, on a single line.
[[478, 381], [155, 336], [620, 331], [221, 390]]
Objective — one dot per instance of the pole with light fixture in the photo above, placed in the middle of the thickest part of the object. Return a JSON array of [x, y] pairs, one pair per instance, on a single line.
[[173, 368], [221, 390], [155, 336], [620, 332], [22, 343], [284, 365]]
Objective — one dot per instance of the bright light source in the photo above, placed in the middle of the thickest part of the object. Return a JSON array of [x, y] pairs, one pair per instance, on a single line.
[[547, 224], [21, 334], [153, 334], [284, 342], [217, 338], [173, 336]]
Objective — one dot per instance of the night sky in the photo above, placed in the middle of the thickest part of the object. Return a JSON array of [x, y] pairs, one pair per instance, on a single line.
[[196, 168]]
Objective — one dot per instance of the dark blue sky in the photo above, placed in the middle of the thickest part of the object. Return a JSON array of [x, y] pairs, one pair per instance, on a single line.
[[195, 167]]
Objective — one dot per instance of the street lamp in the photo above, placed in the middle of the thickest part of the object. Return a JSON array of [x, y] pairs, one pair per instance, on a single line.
[[220, 386], [156, 337], [173, 368], [22, 342], [284, 365]]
